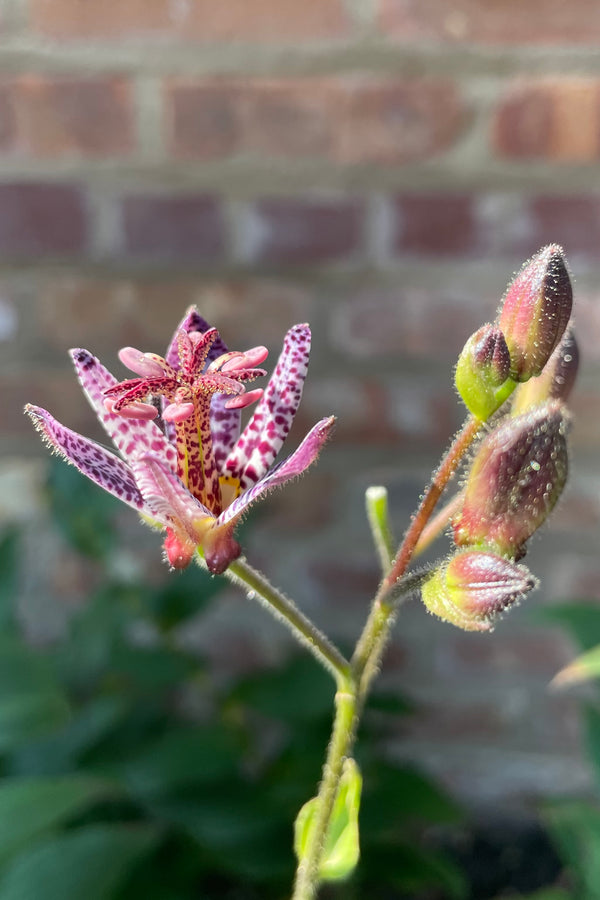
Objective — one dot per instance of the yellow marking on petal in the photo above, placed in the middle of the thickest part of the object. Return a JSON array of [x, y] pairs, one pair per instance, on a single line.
[[230, 489]]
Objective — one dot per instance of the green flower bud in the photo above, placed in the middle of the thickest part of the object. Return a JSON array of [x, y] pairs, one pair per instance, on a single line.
[[535, 312], [515, 480], [556, 380], [483, 367], [473, 587]]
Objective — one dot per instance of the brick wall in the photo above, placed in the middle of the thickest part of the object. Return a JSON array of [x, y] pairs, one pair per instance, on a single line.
[[378, 167]]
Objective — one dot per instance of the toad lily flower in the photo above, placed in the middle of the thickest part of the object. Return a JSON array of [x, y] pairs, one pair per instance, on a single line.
[[183, 463]]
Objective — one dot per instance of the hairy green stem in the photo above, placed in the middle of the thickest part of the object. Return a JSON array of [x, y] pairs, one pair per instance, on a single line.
[[286, 611], [342, 737], [369, 651]]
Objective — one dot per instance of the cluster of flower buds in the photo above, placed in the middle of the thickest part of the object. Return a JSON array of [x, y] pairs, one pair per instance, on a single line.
[[519, 469]]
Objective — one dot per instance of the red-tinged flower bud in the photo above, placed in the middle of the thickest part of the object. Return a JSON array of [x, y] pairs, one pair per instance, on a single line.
[[556, 380], [483, 367], [179, 552], [473, 587], [535, 312], [515, 480]]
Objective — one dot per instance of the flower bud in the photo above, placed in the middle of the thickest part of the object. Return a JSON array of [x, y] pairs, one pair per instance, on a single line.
[[473, 587], [535, 312], [556, 380], [515, 480], [483, 367]]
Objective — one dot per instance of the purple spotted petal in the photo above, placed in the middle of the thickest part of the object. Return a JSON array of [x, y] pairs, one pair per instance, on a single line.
[[266, 431], [100, 465], [193, 321], [130, 436], [167, 497], [289, 468], [225, 428]]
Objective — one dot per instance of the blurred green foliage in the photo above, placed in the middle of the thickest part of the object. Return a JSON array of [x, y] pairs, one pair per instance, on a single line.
[[574, 824], [110, 788]]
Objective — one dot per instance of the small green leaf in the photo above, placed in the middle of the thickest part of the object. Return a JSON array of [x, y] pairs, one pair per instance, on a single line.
[[30, 806], [342, 847], [583, 668], [90, 863]]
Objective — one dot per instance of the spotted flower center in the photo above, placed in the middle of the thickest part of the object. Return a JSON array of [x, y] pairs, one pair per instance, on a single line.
[[184, 395]]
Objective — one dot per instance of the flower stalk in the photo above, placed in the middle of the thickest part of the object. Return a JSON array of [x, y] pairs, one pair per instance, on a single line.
[[185, 464]]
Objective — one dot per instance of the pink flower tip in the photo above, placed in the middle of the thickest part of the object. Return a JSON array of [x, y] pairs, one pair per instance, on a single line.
[[178, 412], [142, 364], [245, 399]]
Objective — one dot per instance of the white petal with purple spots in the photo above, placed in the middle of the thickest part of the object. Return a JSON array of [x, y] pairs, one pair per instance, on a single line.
[[164, 493], [266, 431], [130, 436]]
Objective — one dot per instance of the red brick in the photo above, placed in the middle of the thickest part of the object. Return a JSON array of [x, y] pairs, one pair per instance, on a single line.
[[237, 20], [106, 313], [416, 323], [345, 121], [554, 120], [40, 219], [186, 227], [308, 231], [62, 117], [572, 221], [409, 412], [492, 22], [395, 121], [435, 224]]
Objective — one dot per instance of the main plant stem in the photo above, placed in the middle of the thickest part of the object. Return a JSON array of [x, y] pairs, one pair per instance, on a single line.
[[366, 660]]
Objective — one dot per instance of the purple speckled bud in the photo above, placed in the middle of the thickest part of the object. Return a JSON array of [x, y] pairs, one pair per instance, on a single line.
[[473, 587], [483, 367], [515, 480], [557, 379], [535, 312]]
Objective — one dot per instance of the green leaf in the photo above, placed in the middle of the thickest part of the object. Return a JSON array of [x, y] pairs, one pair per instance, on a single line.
[[86, 864], [182, 757], [390, 702], [300, 691], [549, 894], [575, 828], [592, 732], [23, 670], [84, 513], [59, 752], [27, 716], [585, 667], [9, 568], [582, 620], [182, 596], [414, 870], [398, 798], [30, 806], [150, 669], [342, 849]]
